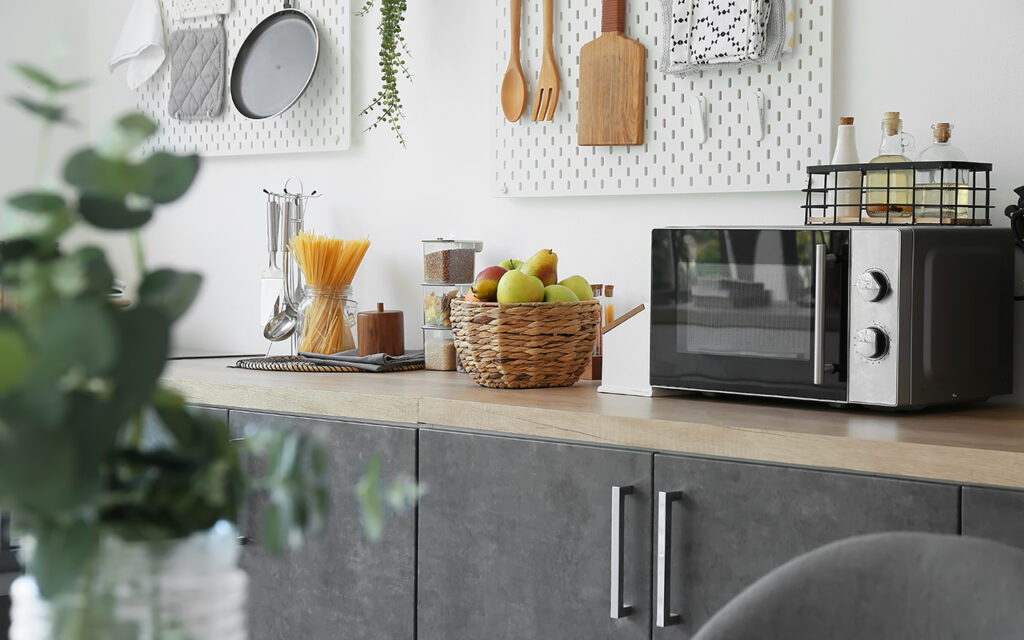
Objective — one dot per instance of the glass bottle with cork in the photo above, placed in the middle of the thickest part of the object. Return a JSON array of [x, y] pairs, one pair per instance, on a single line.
[[891, 192], [944, 192], [847, 194]]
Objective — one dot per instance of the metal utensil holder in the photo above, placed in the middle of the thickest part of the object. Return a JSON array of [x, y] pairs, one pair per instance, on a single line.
[[288, 209], [825, 197]]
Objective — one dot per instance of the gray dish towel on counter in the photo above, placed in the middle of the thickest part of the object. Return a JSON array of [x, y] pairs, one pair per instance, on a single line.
[[377, 363], [198, 68], [678, 11]]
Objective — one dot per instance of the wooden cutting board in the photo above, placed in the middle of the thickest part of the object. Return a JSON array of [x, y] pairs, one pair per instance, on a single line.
[[612, 76]]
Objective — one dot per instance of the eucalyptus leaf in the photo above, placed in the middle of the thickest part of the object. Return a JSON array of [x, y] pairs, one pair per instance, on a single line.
[[168, 176], [91, 173], [170, 292], [17, 249], [77, 334], [110, 213], [61, 554], [371, 503], [50, 112], [126, 135], [85, 271], [15, 357], [38, 202], [37, 76], [145, 341]]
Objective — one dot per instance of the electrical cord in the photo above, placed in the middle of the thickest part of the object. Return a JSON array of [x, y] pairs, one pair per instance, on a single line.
[[1015, 212]]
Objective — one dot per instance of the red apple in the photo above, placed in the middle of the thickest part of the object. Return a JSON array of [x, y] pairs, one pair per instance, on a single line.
[[485, 286]]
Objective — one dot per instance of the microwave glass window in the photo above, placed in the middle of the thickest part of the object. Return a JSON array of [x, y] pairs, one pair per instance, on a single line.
[[743, 297], [733, 310]]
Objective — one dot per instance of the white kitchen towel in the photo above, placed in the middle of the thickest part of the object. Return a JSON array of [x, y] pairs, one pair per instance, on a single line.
[[199, 8], [141, 45]]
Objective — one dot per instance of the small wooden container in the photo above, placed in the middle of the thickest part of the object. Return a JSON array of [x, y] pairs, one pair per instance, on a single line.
[[381, 331]]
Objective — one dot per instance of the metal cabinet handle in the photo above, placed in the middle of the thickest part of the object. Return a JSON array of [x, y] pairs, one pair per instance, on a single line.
[[663, 590], [618, 609], [821, 256]]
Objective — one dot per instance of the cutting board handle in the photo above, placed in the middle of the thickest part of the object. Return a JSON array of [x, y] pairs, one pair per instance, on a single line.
[[613, 16]]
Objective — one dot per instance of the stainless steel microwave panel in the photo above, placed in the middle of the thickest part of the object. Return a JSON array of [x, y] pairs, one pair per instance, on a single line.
[[878, 302]]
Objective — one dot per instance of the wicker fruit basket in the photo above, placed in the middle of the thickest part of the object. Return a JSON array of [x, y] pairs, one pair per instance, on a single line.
[[527, 345]]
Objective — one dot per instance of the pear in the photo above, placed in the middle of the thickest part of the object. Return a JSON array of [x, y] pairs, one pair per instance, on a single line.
[[559, 293], [511, 264], [543, 265], [579, 286], [516, 286]]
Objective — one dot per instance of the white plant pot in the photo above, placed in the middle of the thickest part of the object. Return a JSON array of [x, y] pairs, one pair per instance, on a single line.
[[189, 589]]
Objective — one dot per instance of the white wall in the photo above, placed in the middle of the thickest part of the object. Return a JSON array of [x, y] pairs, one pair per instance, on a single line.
[[926, 58]]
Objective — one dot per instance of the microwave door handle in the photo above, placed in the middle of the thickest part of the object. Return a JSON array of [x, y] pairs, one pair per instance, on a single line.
[[821, 258]]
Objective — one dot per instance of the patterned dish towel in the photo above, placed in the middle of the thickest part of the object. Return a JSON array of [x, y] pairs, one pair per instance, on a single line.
[[710, 35]]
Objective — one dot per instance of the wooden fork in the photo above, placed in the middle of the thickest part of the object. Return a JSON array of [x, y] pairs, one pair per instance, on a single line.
[[547, 84]]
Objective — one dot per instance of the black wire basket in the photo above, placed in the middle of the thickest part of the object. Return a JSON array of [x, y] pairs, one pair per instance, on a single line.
[[944, 192]]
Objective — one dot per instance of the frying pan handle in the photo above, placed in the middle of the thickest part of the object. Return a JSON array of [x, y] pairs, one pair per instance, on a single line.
[[613, 16]]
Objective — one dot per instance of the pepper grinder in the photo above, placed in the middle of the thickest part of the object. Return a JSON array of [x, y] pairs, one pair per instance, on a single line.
[[381, 331]]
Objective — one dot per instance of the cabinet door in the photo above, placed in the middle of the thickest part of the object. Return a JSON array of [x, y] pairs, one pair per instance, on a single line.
[[339, 585], [515, 539], [996, 514], [734, 522]]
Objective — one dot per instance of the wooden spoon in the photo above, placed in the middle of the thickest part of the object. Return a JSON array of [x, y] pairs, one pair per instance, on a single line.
[[513, 86]]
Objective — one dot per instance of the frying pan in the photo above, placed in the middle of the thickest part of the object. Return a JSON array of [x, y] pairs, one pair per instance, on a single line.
[[275, 64]]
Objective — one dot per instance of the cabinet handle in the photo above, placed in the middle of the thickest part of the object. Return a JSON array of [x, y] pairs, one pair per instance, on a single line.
[[663, 590], [619, 610]]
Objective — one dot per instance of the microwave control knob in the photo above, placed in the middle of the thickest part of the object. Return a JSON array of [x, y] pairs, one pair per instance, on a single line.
[[871, 343], [872, 285]]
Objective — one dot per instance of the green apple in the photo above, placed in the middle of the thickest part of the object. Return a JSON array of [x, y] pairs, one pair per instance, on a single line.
[[516, 286], [559, 293], [511, 264], [579, 286]]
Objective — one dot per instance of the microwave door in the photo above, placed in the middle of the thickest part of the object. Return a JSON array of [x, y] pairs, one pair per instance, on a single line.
[[743, 311]]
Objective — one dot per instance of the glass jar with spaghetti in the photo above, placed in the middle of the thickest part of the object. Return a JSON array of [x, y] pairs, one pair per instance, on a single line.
[[327, 319]]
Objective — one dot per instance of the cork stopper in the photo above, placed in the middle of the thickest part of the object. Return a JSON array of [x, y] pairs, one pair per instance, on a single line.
[[380, 307], [596, 289], [608, 290], [846, 120], [891, 123], [941, 131]]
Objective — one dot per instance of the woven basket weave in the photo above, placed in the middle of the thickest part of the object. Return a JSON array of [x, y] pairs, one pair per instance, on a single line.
[[527, 345]]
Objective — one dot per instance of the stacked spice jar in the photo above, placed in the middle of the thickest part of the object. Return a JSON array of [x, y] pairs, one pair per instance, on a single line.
[[448, 270]]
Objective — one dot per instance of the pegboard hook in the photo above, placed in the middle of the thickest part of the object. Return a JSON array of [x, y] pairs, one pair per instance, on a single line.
[[699, 111], [757, 113]]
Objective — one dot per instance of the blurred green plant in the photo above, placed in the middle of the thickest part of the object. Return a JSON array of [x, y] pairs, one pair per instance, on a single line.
[[90, 444]]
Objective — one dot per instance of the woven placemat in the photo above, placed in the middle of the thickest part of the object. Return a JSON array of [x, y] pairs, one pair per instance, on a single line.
[[294, 363]]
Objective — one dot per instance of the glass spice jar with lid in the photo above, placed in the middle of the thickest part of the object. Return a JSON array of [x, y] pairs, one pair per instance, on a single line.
[[450, 261]]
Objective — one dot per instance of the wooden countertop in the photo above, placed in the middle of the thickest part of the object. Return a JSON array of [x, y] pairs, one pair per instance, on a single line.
[[977, 445]]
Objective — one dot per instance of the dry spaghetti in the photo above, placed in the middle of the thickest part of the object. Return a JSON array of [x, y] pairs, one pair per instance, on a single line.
[[328, 266]]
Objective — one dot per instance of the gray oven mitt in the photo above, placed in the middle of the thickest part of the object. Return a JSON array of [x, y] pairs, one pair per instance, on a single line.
[[198, 69]]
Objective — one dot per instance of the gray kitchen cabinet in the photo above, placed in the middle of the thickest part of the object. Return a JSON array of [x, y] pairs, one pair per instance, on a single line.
[[996, 514], [339, 585], [516, 539], [733, 522]]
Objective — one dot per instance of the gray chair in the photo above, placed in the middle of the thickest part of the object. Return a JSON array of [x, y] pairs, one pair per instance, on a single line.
[[888, 586]]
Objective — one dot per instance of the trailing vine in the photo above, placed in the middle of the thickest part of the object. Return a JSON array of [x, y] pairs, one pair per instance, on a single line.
[[387, 105]]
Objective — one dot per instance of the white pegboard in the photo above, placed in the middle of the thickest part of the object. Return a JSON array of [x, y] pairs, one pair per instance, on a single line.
[[543, 159], [319, 121]]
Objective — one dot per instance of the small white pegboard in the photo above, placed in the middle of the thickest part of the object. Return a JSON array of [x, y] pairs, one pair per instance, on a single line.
[[543, 159], [319, 121]]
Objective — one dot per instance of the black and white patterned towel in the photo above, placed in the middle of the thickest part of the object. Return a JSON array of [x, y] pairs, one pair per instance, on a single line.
[[703, 35]]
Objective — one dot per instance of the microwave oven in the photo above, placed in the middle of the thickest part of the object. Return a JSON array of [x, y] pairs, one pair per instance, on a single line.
[[893, 316]]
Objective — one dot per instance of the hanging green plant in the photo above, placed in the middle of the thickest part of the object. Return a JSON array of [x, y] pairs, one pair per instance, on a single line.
[[386, 106]]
